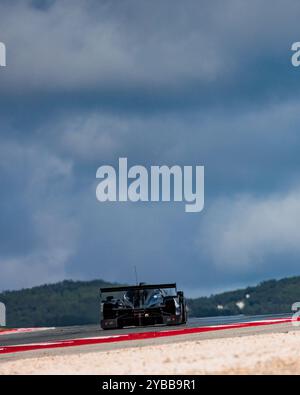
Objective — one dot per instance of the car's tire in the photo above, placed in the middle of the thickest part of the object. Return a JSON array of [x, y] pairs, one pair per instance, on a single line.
[[184, 314]]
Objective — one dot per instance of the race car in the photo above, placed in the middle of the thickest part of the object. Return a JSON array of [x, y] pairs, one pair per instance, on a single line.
[[142, 305]]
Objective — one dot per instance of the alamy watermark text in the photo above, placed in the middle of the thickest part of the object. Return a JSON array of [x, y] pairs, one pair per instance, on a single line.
[[296, 55], [161, 183], [2, 55], [2, 314]]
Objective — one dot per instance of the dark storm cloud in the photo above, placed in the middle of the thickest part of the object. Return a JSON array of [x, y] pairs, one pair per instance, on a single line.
[[142, 50], [162, 82]]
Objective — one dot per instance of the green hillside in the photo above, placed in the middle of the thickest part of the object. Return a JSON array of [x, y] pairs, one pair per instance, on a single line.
[[269, 297], [77, 302], [61, 304]]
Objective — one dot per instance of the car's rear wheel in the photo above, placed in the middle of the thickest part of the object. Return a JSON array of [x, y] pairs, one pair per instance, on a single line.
[[183, 314]]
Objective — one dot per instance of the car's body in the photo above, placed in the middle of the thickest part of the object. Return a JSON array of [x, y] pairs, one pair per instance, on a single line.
[[142, 305]]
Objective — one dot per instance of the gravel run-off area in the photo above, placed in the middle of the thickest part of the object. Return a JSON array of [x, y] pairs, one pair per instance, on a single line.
[[258, 354]]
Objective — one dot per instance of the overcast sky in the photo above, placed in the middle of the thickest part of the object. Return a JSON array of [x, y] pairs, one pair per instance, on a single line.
[[160, 82]]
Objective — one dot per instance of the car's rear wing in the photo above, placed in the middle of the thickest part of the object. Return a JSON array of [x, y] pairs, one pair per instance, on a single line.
[[138, 287]]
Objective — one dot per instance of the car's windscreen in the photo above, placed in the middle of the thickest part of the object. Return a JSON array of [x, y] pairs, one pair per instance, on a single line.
[[138, 298]]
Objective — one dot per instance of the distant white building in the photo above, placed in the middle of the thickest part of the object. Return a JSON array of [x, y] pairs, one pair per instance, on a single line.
[[240, 304]]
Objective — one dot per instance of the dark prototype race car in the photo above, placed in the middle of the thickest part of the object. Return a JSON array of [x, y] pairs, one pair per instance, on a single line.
[[142, 305]]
